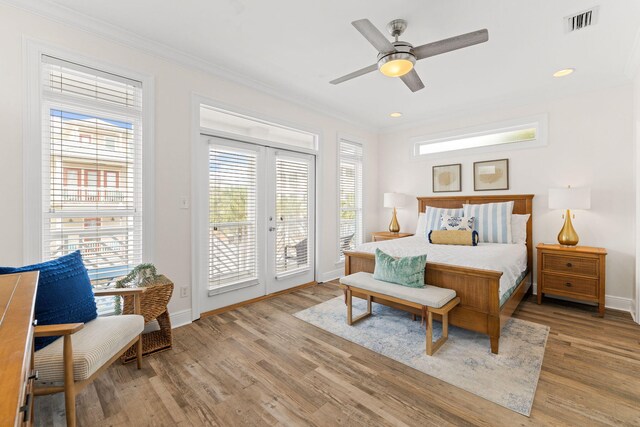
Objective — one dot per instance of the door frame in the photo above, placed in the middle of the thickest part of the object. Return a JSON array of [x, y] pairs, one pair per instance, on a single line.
[[199, 177]]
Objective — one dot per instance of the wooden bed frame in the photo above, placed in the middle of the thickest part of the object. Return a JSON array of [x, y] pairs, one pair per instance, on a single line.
[[479, 290]]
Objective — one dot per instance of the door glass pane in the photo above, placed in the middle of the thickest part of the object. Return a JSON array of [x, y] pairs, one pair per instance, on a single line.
[[233, 256], [292, 214]]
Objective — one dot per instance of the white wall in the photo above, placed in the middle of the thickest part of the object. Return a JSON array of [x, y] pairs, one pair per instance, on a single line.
[[590, 144], [174, 86]]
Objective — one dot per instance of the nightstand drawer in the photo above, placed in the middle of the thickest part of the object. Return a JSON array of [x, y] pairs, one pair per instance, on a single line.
[[570, 285], [570, 264]]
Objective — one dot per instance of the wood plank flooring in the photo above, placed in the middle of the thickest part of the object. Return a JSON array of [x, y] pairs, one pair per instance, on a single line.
[[259, 365]]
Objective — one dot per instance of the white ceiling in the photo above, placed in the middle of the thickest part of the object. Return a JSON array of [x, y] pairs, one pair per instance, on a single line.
[[295, 47]]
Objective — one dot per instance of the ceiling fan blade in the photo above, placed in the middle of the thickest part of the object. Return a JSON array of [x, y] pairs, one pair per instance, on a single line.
[[412, 80], [375, 37], [355, 74], [453, 43]]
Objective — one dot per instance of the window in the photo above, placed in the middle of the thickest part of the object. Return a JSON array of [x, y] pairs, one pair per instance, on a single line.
[[350, 230], [234, 123], [233, 198], [521, 133], [92, 192]]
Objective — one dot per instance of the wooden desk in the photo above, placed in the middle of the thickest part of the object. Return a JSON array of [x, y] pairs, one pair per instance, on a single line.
[[17, 300]]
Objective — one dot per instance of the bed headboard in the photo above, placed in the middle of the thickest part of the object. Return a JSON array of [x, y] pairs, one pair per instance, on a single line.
[[522, 204]]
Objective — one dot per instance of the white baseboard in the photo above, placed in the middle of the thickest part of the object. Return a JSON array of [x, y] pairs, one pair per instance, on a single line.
[[180, 318], [331, 275], [633, 312], [610, 301]]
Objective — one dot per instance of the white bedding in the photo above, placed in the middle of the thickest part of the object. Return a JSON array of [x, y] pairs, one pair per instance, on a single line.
[[511, 259]]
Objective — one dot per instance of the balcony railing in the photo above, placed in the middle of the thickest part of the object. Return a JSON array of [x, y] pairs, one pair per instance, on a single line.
[[92, 194]]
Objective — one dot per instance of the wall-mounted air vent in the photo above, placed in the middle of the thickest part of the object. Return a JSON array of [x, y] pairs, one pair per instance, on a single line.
[[581, 20]]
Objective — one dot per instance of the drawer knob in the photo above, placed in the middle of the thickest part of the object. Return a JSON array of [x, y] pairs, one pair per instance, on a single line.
[[568, 284], [569, 265]]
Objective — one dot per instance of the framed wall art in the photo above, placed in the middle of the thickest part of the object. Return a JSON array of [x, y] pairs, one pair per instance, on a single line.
[[447, 178], [491, 175]]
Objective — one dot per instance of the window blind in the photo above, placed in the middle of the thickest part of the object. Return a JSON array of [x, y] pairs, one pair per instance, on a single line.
[[350, 229], [233, 251], [292, 214], [92, 169]]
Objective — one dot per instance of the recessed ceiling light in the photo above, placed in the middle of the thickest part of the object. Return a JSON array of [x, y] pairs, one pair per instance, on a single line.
[[396, 114], [563, 72]]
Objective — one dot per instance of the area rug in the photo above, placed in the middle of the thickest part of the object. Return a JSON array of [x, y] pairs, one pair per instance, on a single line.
[[465, 360]]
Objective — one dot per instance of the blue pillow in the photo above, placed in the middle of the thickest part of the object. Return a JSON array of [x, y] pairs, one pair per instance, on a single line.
[[407, 271], [64, 293]]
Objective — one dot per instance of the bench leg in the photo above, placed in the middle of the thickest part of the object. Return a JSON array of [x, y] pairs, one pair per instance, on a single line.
[[432, 347], [413, 316], [350, 319]]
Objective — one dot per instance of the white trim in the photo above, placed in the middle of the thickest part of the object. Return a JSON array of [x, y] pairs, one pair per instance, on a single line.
[[618, 303], [180, 318], [32, 144], [540, 121], [113, 33], [610, 301], [330, 275]]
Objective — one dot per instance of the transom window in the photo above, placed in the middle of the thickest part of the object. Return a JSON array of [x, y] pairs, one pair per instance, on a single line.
[[520, 133]]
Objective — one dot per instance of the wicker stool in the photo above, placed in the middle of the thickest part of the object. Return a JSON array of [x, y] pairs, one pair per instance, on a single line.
[[153, 306]]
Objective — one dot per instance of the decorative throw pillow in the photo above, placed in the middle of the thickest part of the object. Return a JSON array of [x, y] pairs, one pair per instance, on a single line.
[[493, 221], [519, 228], [64, 293], [453, 237], [434, 217], [407, 271], [463, 223]]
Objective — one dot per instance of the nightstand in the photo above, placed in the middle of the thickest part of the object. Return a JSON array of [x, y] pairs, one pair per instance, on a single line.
[[379, 236], [576, 272]]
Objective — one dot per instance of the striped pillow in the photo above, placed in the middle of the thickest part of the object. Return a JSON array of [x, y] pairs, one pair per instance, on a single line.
[[493, 221], [434, 216]]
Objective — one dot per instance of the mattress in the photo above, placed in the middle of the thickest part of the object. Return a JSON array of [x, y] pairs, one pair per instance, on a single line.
[[510, 259]]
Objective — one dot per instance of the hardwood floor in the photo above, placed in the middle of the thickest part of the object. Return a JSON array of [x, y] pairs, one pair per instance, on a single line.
[[259, 365]]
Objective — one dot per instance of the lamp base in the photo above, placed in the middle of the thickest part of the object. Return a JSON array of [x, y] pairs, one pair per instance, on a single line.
[[394, 226], [568, 235]]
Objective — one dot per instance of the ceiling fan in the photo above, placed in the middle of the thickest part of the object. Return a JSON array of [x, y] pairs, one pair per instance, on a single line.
[[398, 58]]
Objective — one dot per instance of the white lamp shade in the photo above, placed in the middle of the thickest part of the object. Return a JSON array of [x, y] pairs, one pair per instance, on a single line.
[[570, 198], [394, 200]]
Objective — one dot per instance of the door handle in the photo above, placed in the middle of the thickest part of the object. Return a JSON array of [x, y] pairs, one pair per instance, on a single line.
[[272, 229]]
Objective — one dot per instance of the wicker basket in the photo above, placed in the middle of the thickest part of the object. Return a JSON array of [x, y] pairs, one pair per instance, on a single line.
[[153, 306]]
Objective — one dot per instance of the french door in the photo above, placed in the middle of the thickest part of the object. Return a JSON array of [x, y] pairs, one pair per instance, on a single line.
[[260, 214]]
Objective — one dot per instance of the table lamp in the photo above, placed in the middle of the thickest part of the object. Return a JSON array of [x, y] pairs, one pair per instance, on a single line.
[[394, 200], [567, 199]]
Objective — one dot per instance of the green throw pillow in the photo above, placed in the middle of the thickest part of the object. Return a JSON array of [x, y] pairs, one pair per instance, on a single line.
[[407, 271]]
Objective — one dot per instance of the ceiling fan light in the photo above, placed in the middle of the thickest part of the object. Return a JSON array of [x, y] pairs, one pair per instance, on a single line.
[[397, 64]]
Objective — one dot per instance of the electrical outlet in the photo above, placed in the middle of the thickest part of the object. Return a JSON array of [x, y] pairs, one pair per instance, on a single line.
[[184, 203], [184, 292]]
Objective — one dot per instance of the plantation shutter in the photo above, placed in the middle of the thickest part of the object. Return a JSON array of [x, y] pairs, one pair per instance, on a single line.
[[350, 230], [92, 169], [292, 214], [233, 250]]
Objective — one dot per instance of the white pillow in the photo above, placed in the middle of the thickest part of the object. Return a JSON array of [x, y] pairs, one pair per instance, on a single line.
[[493, 221], [421, 228], [519, 228], [451, 222]]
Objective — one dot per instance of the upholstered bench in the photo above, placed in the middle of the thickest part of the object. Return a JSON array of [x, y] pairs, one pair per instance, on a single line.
[[429, 300]]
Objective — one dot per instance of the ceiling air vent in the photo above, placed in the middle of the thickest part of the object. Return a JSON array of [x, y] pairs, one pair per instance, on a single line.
[[584, 19]]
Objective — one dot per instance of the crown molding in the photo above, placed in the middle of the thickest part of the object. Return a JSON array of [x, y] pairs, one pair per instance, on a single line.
[[113, 33]]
